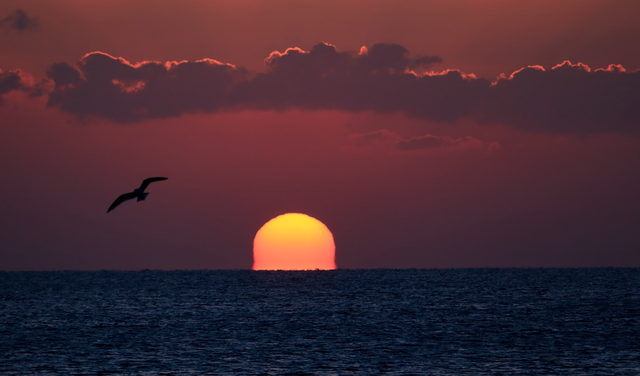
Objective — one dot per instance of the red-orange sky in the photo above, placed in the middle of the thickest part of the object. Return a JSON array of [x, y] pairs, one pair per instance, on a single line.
[[426, 169]]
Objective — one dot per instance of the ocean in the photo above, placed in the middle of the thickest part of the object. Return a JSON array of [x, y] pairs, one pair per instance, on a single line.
[[341, 322]]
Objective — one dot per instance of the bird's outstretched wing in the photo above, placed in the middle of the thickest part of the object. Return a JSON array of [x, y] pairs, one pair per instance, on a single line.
[[122, 198], [147, 181]]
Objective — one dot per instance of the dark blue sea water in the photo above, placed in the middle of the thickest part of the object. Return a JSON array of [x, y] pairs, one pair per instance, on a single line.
[[396, 322]]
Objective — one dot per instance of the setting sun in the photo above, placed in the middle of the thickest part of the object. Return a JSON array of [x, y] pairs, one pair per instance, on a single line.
[[294, 242]]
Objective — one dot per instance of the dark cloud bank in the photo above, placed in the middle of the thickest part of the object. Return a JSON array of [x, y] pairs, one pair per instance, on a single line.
[[569, 98]]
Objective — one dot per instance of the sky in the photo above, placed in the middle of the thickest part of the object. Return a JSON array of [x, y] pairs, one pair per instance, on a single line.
[[423, 134]]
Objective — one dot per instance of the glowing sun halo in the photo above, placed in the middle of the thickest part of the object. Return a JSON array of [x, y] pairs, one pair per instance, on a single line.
[[293, 242]]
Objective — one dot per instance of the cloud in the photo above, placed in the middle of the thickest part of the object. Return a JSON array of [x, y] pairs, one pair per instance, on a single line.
[[384, 138], [12, 81], [105, 86], [376, 139], [19, 20], [430, 141], [378, 78], [568, 98]]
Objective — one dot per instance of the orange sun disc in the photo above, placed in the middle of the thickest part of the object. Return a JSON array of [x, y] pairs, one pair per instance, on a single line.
[[294, 242]]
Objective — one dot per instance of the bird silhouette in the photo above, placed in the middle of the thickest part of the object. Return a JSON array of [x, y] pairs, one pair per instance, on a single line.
[[138, 193]]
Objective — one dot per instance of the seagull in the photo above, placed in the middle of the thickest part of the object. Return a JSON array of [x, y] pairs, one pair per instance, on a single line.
[[138, 193]]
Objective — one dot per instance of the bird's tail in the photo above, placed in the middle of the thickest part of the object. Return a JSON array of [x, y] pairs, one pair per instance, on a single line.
[[143, 196]]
